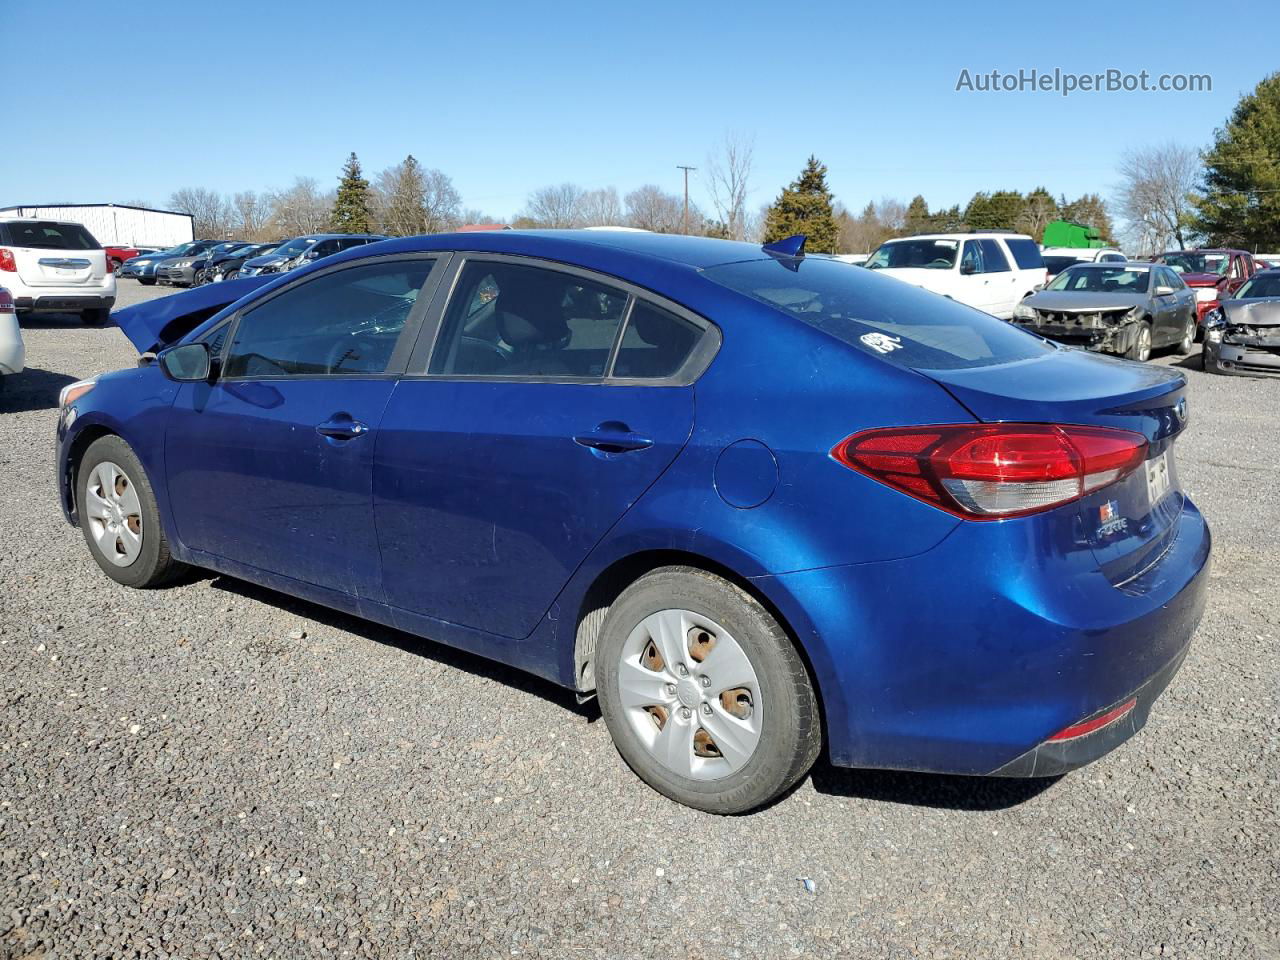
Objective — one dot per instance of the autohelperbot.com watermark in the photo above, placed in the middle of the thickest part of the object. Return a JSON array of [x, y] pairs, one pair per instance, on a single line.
[[1065, 82]]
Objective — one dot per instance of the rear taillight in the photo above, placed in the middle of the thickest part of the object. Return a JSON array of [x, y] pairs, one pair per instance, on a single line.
[[7, 263], [6, 301], [1097, 723], [992, 471]]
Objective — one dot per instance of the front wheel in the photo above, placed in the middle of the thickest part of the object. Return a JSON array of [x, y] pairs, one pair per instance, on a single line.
[[147, 281], [703, 692], [231, 275], [1140, 349], [119, 517]]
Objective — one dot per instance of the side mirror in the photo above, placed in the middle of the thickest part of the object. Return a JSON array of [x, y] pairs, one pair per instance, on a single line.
[[186, 363], [967, 269], [1164, 291]]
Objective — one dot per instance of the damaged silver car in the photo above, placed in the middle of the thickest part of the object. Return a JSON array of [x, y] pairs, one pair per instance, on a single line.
[[1128, 309], [1242, 335]]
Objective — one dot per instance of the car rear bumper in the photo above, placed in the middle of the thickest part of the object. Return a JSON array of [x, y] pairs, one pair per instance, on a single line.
[[967, 658], [63, 303]]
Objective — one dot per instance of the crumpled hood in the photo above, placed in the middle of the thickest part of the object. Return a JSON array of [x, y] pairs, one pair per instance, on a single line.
[[157, 323], [1252, 313], [1069, 301]]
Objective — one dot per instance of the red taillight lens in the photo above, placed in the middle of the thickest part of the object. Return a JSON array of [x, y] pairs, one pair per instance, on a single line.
[[7, 263], [991, 471]]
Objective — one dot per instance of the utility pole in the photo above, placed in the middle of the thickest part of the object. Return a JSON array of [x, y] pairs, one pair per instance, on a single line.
[[686, 194]]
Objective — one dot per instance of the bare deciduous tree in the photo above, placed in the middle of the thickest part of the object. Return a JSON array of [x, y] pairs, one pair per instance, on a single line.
[[300, 209], [251, 215], [600, 208], [441, 203], [1156, 184], [211, 213], [728, 175], [651, 208], [556, 206], [400, 199]]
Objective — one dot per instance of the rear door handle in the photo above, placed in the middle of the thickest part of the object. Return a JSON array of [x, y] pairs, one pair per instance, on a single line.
[[342, 427], [613, 438]]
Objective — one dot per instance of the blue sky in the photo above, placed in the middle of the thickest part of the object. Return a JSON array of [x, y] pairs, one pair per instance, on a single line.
[[122, 102]]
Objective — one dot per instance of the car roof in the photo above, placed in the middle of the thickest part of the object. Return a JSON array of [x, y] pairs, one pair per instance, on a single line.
[[1128, 264], [964, 235], [1169, 253]]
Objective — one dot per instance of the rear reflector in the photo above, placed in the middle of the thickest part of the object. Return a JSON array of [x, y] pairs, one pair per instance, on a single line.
[[992, 471], [1097, 723], [7, 263]]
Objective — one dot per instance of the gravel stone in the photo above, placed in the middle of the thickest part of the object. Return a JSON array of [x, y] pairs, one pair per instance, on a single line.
[[176, 780]]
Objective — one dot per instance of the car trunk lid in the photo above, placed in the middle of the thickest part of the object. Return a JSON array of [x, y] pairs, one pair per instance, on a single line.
[[1128, 524]]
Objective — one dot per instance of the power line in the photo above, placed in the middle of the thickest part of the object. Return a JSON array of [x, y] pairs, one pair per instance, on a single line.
[[686, 194]]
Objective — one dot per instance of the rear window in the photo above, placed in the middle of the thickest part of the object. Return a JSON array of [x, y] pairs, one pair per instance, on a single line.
[[1058, 264], [1025, 253], [48, 235], [880, 315]]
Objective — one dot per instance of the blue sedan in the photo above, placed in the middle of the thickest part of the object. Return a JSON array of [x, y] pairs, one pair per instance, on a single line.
[[760, 504]]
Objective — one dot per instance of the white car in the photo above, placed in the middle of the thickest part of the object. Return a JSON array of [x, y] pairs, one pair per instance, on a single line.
[[12, 353], [989, 270], [1057, 259], [55, 266]]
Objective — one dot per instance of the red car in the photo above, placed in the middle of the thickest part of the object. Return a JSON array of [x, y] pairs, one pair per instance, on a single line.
[[118, 255], [1214, 274]]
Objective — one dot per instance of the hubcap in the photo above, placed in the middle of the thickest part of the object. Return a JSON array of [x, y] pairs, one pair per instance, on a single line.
[[690, 694], [113, 513]]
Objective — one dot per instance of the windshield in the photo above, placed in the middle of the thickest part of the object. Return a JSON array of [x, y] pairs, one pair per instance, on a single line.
[[1262, 285], [1115, 279], [181, 250], [929, 254], [294, 246], [880, 316], [1198, 262]]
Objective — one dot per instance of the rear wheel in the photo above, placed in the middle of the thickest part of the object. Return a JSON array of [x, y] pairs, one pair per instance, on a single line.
[[94, 318], [1140, 349], [119, 518], [704, 694]]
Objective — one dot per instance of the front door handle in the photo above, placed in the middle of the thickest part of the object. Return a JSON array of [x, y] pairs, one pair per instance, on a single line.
[[613, 437], [342, 427]]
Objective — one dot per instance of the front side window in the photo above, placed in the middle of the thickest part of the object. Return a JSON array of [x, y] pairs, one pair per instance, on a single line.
[[971, 261], [344, 323], [512, 320]]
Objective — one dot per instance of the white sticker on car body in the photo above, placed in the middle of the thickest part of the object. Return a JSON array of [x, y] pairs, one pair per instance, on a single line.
[[882, 342]]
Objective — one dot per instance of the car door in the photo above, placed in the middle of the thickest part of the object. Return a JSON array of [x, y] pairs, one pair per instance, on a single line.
[[1184, 300], [551, 400], [271, 464], [1002, 289], [973, 285], [1166, 308]]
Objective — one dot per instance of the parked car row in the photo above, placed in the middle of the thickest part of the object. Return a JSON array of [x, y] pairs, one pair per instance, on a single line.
[[209, 261]]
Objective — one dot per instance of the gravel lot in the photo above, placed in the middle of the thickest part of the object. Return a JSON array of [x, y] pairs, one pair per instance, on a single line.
[[216, 770]]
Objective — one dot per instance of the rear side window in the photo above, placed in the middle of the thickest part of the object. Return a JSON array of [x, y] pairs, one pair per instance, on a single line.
[[656, 343], [879, 315], [48, 235], [993, 258], [511, 320], [1025, 253]]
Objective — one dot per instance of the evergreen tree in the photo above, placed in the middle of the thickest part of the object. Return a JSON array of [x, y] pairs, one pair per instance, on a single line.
[[1092, 212], [917, 219], [1241, 202], [351, 213], [978, 215], [805, 207]]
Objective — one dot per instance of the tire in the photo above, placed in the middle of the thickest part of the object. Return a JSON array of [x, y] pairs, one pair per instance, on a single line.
[[94, 318], [1140, 349], [147, 281], [745, 652], [1188, 341], [230, 275], [140, 562]]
